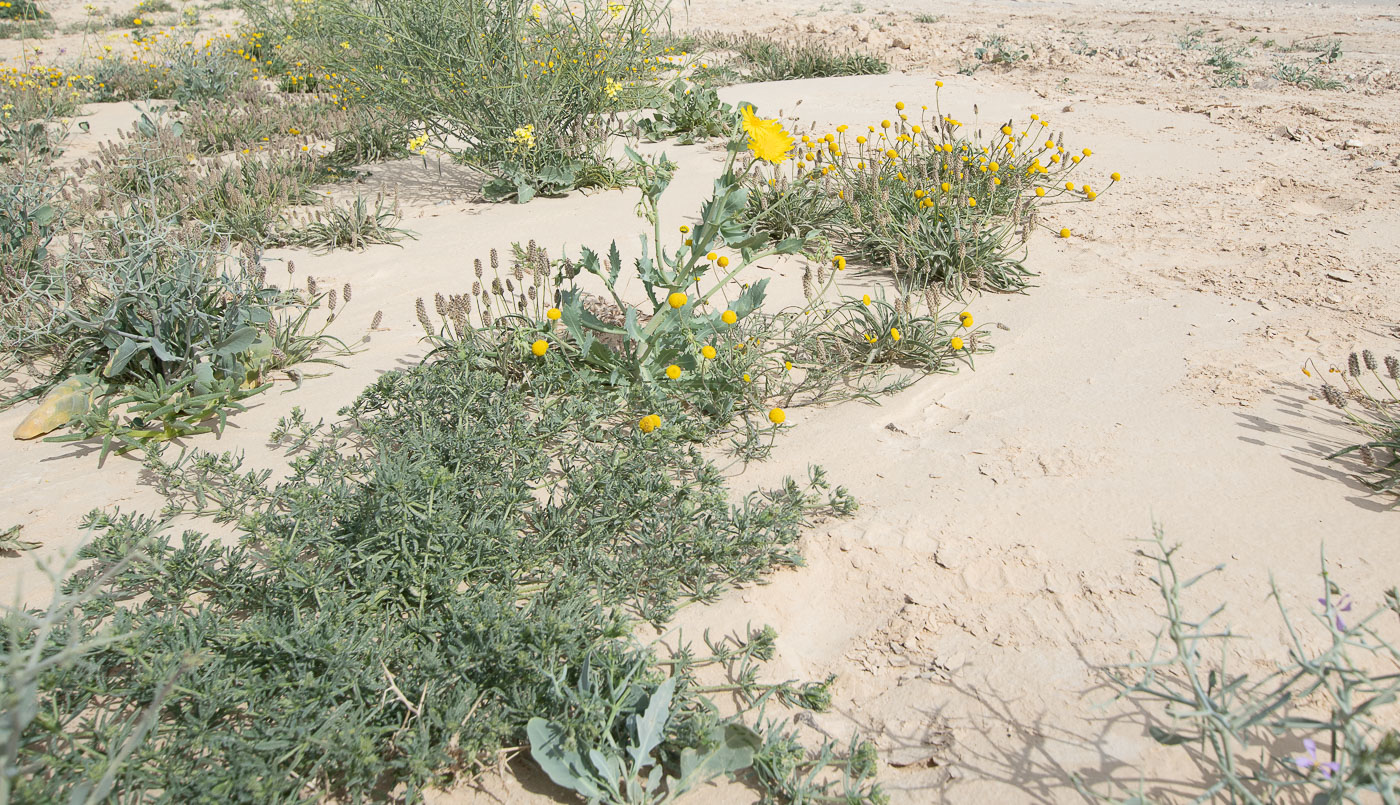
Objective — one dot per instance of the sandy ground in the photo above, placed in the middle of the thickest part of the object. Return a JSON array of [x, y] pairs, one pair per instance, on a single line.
[[1152, 376]]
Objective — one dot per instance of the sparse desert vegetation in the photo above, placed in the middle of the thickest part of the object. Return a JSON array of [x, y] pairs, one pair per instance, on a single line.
[[626, 402]]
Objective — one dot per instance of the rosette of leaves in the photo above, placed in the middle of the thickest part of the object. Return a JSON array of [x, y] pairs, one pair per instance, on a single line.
[[149, 334], [640, 352], [690, 113]]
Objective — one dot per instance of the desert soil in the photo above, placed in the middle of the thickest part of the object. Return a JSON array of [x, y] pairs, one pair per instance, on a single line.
[[1153, 376]]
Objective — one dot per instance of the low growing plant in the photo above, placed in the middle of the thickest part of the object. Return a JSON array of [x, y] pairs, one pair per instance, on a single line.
[[1376, 415], [765, 59], [1321, 728]]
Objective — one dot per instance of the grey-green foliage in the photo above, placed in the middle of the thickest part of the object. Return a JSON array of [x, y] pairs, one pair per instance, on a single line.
[[1321, 728], [153, 332], [690, 114], [632, 772], [1305, 76], [424, 580], [1370, 402], [766, 59], [996, 49], [352, 226]]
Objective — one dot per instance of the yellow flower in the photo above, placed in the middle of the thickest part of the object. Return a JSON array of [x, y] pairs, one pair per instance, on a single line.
[[956, 343], [938, 84], [540, 347], [729, 317], [708, 351], [1116, 176], [945, 187], [1088, 153], [673, 371], [1069, 185], [884, 124], [649, 423], [711, 256], [971, 202], [839, 262], [1040, 191], [1064, 233], [1091, 195], [767, 139], [777, 416], [747, 379], [676, 300], [787, 365], [553, 314], [684, 229], [894, 333], [965, 318], [899, 105], [865, 300], [1006, 130]]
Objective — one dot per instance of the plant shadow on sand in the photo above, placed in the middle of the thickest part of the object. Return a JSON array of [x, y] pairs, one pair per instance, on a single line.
[[1305, 443]]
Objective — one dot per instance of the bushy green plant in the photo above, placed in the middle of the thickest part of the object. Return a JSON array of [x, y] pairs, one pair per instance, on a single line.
[[690, 114], [143, 333], [353, 226], [937, 204], [22, 10], [1376, 415], [1321, 728], [522, 90], [766, 59], [996, 49], [1305, 76], [398, 612]]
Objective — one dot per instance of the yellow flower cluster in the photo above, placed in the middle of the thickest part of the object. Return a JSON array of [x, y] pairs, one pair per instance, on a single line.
[[524, 136]]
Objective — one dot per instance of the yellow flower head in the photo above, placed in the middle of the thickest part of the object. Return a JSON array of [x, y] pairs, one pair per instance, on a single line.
[[839, 262], [767, 139], [676, 300], [894, 333], [708, 351], [553, 314], [1064, 233], [722, 262], [777, 416], [865, 300], [956, 343], [649, 423], [965, 318], [673, 371], [1116, 176], [729, 317], [540, 347]]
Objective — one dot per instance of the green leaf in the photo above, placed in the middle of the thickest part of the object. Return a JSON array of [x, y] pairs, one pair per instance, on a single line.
[[651, 726], [563, 766], [236, 342], [614, 264], [523, 192], [498, 190], [125, 352]]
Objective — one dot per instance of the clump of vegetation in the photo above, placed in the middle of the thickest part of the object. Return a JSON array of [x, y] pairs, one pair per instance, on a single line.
[[1376, 415], [351, 620], [353, 226], [763, 59], [691, 113], [525, 91], [1305, 76], [1329, 51], [996, 49], [1229, 70], [23, 10], [142, 332], [1320, 728], [935, 204]]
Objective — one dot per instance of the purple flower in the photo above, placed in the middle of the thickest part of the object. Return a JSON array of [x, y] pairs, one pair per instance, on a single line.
[[1343, 605], [1307, 762]]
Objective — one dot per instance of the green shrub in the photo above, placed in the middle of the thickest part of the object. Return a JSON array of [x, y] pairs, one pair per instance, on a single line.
[[690, 114], [522, 90], [349, 227], [143, 333], [411, 605], [935, 204], [765, 59], [22, 10], [1305, 76]]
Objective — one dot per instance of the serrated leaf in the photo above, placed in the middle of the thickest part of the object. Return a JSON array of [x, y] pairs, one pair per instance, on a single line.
[[614, 264]]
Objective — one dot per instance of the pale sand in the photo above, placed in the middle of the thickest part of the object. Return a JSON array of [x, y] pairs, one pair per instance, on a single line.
[[1154, 374]]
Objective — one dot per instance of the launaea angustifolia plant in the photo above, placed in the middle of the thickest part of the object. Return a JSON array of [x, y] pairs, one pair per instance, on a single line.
[[1320, 728], [691, 113]]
